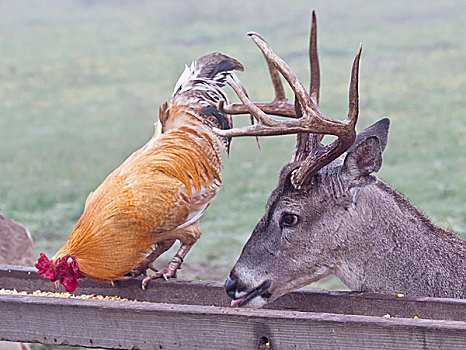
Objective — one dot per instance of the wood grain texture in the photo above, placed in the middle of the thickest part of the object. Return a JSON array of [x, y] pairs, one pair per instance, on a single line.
[[132, 325], [181, 317], [212, 293]]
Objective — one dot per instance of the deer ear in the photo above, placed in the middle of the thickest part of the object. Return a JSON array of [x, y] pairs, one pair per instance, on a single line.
[[364, 159], [365, 155]]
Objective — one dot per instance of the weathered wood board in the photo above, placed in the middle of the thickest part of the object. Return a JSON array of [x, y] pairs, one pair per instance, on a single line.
[[212, 293], [195, 315]]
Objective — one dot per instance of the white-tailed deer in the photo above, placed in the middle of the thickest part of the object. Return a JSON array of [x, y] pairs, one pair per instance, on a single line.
[[329, 214]]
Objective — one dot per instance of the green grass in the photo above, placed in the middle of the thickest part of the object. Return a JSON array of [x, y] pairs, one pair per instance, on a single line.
[[80, 83]]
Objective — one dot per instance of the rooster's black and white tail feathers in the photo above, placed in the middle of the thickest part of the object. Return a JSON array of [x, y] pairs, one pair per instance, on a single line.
[[200, 84], [200, 88]]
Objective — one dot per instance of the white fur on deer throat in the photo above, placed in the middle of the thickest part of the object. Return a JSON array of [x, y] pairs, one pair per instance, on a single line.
[[348, 276]]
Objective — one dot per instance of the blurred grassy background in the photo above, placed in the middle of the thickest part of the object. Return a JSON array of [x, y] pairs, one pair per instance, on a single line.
[[80, 83]]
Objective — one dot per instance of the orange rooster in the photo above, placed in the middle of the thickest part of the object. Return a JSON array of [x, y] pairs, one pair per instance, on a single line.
[[158, 194]]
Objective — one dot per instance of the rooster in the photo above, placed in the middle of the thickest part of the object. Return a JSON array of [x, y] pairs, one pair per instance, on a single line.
[[158, 194]]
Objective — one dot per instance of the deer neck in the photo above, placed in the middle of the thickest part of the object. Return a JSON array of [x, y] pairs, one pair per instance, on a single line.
[[399, 250]]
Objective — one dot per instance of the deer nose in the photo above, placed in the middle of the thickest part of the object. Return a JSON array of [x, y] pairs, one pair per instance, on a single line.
[[230, 286]]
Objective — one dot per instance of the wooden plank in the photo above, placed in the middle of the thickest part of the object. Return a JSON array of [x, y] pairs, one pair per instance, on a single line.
[[212, 293], [131, 325]]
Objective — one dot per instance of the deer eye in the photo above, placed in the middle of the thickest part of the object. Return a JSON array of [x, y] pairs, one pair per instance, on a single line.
[[289, 220]]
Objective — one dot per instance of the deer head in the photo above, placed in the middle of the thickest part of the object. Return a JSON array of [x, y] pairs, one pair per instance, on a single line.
[[308, 217], [306, 234]]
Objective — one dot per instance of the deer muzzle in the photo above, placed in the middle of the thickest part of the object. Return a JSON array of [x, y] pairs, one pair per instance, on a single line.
[[255, 297]]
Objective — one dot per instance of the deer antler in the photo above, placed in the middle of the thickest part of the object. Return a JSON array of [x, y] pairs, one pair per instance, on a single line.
[[305, 141], [279, 106], [309, 120]]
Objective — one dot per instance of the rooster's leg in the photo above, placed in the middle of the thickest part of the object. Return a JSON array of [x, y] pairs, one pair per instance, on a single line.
[[159, 249], [170, 271]]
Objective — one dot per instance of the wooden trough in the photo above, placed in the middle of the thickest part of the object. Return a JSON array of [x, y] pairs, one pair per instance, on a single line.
[[196, 315]]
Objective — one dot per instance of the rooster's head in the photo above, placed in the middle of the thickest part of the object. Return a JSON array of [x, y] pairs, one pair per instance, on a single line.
[[64, 270]]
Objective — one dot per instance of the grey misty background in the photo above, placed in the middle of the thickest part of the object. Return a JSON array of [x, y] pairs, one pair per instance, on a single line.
[[81, 82]]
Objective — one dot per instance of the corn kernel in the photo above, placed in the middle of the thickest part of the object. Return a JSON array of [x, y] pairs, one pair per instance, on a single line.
[[401, 295], [416, 317], [387, 316], [67, 295]]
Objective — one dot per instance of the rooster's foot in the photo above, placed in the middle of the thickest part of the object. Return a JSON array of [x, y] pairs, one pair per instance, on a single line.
[[173, 266], [166, 274], [159, 249], [142, 270]]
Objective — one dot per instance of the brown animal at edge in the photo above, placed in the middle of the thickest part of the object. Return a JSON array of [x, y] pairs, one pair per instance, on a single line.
[[329, 214], [16, 248]]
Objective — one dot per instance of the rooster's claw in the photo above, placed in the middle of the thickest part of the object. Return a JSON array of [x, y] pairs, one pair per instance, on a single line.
[[142, 270], [165, 274]]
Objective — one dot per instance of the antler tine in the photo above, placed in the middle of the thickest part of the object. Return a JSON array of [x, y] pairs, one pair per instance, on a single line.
[[266, 126], [353, 108], [279, 106], [277, 84], [321, 156], [306, 142], [314, 62], [300, 92], [254, 110]]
